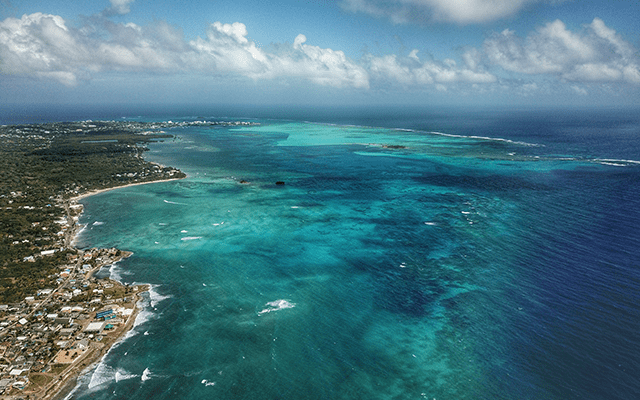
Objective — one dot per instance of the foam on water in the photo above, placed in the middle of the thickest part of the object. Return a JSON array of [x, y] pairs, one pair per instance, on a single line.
[[122, 375], [105, 373], [114, 272], [146, 375], [276, 305], [78, 236], [173, 202], [102, 375], [487, 138], [144, 316], [617, 163], [191, 238], [155, 297]]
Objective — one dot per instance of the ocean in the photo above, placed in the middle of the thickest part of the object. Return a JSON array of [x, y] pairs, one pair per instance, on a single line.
[[406, 254]]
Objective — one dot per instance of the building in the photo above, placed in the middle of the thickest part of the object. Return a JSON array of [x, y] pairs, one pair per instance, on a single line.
[[4, 384], [95, 327], [63, 321]]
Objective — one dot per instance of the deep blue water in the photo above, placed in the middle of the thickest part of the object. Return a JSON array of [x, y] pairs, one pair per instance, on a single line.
[[498, 261]]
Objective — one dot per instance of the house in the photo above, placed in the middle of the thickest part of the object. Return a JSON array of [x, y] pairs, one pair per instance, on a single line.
[[63, 321], [95, 327], [65, 332], [4, 384]]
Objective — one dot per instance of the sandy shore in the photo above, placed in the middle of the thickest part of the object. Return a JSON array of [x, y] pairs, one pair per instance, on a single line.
[[63, 383], [94, 192]]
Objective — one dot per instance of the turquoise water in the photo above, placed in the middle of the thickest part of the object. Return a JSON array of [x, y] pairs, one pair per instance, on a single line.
[[392, 264]]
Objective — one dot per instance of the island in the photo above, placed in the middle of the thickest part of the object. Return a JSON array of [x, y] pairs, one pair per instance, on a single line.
[[56, 317]]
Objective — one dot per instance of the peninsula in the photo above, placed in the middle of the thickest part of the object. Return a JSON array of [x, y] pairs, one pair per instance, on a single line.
[[56, 317]]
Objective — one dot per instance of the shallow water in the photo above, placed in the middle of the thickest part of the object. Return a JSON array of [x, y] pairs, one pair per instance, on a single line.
[[392, 264]]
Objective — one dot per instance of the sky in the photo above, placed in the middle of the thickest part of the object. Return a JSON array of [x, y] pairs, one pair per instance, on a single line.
[[320, 52]]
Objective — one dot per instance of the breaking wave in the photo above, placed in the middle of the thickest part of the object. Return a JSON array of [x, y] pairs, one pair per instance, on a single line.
[[276, 305]]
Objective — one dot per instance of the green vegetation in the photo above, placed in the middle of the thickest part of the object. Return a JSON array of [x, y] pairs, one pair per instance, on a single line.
[[40, 380], [57, 368], [42, 167]]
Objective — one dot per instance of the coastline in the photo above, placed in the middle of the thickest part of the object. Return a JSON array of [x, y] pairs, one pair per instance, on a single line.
[[72, 235], [67, 380], [61, 319], [98, 191]]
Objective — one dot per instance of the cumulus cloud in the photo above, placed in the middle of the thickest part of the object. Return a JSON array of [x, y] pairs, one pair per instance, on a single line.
[[410, 71], [322, 66], [48, 47], [597, 54], [120, 7], [421, 11], [39, 44], [44, 45], [227, 49]]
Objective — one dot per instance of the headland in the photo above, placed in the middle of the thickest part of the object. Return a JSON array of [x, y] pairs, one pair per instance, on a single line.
[[57, 319]]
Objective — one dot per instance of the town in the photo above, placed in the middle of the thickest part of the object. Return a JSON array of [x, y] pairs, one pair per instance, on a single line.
[[57, 315], [62, 329]]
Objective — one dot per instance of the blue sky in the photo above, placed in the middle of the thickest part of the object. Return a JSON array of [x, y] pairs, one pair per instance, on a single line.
[[414, 52]]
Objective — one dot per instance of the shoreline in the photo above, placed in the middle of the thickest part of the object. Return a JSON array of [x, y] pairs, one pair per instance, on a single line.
[[98, 191], [94, 357], [77, 228], [67, 380]]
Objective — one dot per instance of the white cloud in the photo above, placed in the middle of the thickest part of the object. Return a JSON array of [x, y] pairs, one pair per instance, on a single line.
[[44, 46], [421, 11], [47, 47], [472, 58], [410, 70], [621, 47], [579, 90], [226, 49], [322, 66], [120, 7], [39, 44], [594, 72], [596, 54], [66, 78]]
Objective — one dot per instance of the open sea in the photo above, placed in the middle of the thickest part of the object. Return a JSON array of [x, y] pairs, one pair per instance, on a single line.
[[408, 255]]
